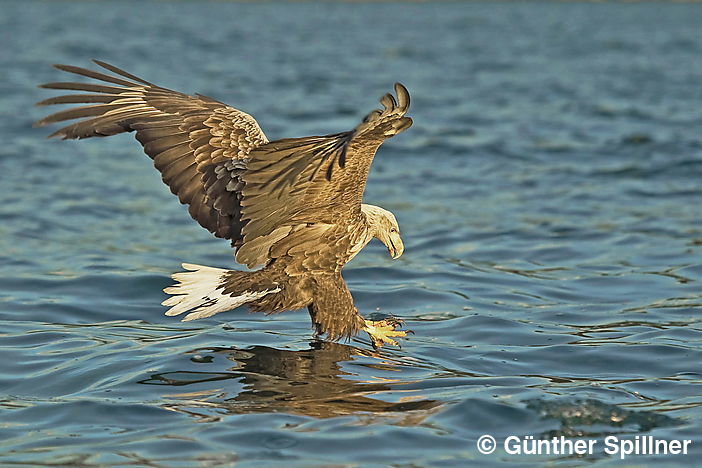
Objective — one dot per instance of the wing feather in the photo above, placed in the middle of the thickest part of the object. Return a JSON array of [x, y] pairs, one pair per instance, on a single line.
[[317, 179], [91, 87], [269, 199], [96, 75], [184, 135]]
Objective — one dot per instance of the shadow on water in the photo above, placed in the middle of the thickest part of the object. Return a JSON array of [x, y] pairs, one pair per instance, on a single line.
[[308, 382]]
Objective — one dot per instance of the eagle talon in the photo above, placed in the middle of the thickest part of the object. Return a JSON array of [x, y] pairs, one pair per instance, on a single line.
[[396, 322], [381, 331]]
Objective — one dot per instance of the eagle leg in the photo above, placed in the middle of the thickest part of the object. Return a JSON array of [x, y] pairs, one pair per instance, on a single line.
[[381, 331], [318, 332]]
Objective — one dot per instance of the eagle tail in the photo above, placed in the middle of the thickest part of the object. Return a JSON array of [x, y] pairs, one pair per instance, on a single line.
[[205, 291]]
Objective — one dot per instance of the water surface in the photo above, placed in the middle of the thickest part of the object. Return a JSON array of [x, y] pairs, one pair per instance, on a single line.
[[548, 193]]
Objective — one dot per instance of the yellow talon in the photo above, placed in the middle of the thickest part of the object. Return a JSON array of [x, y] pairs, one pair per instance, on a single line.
[[381, 331]]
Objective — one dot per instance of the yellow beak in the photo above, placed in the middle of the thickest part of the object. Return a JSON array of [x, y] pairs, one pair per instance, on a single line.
[[396, 247]]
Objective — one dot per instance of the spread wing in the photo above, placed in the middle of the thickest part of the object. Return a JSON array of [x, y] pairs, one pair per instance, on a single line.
[[197, 143], [317, 179]]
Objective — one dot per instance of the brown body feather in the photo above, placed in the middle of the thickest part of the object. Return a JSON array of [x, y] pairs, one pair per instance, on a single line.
[[292, 206]]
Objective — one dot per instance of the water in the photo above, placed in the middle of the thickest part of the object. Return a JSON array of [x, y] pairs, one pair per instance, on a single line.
[[548, 193]]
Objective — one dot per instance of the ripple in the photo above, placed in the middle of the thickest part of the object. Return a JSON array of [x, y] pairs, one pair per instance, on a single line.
[[548, 195]]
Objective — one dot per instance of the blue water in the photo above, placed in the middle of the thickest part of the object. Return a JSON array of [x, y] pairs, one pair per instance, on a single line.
[[548, 193]]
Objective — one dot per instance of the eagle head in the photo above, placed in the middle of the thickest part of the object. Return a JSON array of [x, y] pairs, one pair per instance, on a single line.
[[384, 227]]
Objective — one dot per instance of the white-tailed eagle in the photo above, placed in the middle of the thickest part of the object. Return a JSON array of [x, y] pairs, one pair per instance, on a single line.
[[291, 206]]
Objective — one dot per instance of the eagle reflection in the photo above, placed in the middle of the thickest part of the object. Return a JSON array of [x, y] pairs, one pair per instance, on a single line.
[[307, 382]]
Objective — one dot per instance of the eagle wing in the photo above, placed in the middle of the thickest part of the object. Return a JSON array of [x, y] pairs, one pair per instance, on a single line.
[[314, 181], [197, 143]]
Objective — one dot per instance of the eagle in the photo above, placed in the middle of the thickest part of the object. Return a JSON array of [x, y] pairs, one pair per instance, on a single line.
[[291, 208]]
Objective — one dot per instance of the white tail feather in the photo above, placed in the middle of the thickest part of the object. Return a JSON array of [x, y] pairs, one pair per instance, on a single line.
[[201, 290]]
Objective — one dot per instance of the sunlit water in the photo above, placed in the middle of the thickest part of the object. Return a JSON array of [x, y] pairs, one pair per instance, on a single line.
[[549, 197]]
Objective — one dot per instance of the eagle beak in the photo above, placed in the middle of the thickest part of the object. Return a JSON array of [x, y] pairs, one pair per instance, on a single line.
[[396, 248]]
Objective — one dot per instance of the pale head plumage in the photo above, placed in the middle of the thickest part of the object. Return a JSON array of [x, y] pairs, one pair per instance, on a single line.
[[384, 227]]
